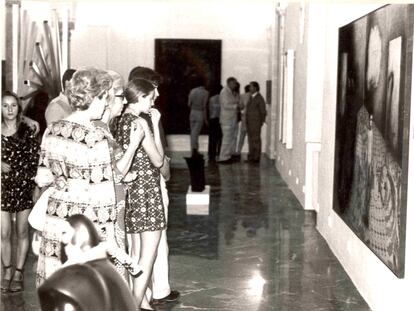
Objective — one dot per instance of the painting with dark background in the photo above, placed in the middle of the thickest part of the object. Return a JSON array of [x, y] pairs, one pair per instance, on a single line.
[[372, 129], [183, 62]]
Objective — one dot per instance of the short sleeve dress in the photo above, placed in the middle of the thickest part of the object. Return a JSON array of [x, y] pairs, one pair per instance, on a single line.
[[145, 209], [21, 152], [76, 163]]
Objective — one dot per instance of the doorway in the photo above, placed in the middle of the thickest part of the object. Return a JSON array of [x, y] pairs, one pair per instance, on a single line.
[[181, 62]]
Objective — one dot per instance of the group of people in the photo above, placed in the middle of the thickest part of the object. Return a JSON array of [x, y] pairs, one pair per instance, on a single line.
[[231, 116], [101, 156]]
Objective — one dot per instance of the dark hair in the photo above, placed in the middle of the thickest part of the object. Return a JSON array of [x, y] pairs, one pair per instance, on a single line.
[[67, 75], [19, 110], [85, 85], [231, 79], [146, 74], [77, 222], [247, 88], [136, 88], [255, 85]]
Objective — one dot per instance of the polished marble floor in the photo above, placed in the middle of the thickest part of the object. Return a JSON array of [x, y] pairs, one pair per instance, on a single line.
[[257, 249]]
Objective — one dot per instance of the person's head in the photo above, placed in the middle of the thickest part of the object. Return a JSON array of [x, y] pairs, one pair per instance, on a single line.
[[247, 88], [116, 98], [146, 74], [231, 83], [88, 90], [67, 75], [254, 87], [140, 95], [78, 236], [11, 107]]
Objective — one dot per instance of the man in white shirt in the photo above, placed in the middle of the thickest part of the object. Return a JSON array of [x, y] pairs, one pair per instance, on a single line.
[[228, 120], [59, 107], [197, 101]]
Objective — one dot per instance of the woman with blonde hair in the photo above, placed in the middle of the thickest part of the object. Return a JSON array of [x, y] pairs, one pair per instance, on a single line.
[[120, 162], [75, 162], [19, 157]]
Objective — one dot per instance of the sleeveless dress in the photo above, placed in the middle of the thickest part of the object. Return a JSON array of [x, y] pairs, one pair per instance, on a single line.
[[21, 152], [145, 209]]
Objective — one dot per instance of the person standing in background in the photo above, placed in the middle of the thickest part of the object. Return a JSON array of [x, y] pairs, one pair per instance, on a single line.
[[255, 117], [214, 129], [197, 101], [228, 120], [244, 100], [19, 157], [59, 107]]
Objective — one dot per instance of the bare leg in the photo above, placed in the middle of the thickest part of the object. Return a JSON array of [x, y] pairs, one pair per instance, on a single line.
[[22, 237], [148, 252], [6, 243]]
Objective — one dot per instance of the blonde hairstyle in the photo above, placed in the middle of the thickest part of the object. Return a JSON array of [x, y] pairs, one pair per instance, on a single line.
[[118, 81], [85, 85]]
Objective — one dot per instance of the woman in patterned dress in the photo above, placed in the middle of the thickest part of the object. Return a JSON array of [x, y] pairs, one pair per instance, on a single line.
[[76, 163], [114, 109], [19, 157], [145, 212]]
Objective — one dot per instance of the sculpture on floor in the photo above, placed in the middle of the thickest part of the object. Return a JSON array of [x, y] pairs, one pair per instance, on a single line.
[[196, 166]]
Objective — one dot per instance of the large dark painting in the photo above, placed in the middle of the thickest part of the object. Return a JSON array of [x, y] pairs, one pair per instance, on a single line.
[[183, 63], [372, 129]]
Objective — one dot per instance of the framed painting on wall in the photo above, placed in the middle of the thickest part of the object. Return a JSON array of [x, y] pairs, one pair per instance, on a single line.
[[372, 129]]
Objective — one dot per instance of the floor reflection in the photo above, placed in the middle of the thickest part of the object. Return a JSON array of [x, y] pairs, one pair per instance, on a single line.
[[256, 250]]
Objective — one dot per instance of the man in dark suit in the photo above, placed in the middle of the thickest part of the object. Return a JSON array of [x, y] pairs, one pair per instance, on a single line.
[[255, 117]]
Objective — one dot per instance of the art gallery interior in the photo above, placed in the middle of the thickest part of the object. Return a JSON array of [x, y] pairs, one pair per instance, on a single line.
[[307, 254]]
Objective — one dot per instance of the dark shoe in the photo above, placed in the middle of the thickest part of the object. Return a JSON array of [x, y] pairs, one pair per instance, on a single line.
[[142, 309], [236, 157], [173, 296], [5, 283], [228, 161], [16, 284], [196, 154]]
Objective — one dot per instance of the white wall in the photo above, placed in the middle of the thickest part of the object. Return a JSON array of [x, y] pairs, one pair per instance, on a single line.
[[376, 283], [120, 35], [291, 162]]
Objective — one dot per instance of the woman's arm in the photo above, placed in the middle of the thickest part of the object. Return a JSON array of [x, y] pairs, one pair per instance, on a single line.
[[135, 138], [149, 145], [155, 118]]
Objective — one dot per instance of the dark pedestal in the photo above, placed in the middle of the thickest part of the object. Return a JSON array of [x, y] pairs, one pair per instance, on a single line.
[[196, 167]]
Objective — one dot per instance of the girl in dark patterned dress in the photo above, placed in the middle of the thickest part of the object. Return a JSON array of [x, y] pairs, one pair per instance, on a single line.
[[19, 156], [145, 212]]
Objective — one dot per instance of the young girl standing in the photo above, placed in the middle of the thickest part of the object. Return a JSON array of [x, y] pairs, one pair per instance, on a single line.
[[145, 212]]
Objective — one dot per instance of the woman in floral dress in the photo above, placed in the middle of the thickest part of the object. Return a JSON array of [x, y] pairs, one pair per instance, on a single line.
[[75, 162], [19, 157], [145, 217]]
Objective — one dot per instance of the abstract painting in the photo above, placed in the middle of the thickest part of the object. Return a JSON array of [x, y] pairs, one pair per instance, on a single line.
[[372, 122]]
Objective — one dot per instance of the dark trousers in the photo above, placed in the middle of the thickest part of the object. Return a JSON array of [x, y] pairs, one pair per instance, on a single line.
[[255, 143], [214, 138]]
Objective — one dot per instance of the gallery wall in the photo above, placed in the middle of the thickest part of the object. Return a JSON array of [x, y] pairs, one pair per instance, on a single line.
[[379, 286], [291, 162], [120, 35]]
